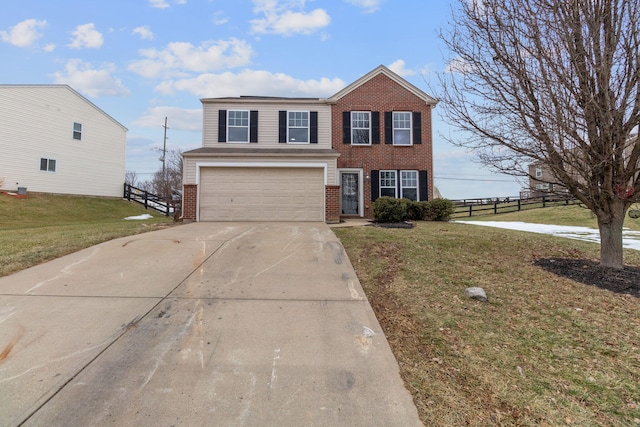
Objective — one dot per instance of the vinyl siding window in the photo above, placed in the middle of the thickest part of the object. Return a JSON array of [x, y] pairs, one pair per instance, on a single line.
[[409, 185], [298, 127], [402, 128], [538, 172], [237, 126], [47, 165], [77, 131], [360, 127], [388, 183]]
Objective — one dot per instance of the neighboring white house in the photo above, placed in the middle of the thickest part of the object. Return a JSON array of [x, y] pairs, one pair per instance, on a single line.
[[54, 140]]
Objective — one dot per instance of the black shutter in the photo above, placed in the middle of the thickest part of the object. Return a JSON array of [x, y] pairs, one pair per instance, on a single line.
[[346, 127], [388, 127], [282, 127], [253, 126], [375, 127], [222, 125], [423, 187], [417, 127], [313, 129], [375, 185]]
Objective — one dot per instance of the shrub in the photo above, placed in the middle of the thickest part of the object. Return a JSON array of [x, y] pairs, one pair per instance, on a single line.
[[439, 210], [416, 211], [389, 209]]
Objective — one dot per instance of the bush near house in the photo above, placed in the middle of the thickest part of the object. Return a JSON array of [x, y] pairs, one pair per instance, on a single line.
[[390, 209]]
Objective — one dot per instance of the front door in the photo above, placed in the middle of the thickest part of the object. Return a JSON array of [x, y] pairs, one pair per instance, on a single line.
[[350, 193]]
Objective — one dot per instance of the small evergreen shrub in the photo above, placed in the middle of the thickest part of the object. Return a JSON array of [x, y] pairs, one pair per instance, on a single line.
[[439, 210], [416, 211], [389, 209]]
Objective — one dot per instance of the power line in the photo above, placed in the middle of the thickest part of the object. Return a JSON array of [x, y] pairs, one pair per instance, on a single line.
[[473, 179]]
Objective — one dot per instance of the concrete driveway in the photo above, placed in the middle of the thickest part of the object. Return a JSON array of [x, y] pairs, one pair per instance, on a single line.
[[238, 324]]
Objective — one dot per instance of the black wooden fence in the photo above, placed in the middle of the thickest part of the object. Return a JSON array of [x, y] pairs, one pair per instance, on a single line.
[[149, 200], [497, 205]]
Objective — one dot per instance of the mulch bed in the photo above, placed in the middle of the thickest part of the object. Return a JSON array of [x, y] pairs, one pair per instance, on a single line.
[[624, 281]]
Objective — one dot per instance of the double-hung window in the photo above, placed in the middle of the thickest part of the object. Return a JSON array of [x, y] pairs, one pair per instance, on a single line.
[[47, 165], [388, 185], [77, 131], [409, 185], [360, 127], [402, 128], [538, 172], [298, 127], [237, 126]]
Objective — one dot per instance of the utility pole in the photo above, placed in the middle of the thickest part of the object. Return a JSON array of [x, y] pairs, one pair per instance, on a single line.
[[164, 148]]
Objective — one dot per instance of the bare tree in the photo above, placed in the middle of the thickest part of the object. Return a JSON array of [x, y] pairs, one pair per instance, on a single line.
[[131, 178], [555, 82], [168, 182]]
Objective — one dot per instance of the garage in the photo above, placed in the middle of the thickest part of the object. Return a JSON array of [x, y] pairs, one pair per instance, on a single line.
[[261, 194]]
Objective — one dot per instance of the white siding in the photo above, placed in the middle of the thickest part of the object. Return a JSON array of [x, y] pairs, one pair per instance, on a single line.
[[37, 122], [267, 123]]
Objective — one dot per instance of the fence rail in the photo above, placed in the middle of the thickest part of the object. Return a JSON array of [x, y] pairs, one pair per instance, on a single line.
[[149, 200], [492, 206]]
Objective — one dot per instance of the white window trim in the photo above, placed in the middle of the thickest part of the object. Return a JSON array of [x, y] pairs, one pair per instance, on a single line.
[[410, 128], [248, 127], [308, 127], [417, 187], [79, 132], [351, 127], [538, 172], [48, 159], [395, 187]]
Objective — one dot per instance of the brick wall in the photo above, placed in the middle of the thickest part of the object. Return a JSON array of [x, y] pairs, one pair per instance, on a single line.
[[332, 203], [189, 202], [383, 94]]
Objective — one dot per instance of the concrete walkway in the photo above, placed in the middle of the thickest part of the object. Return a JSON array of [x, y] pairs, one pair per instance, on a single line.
[[206, 324]]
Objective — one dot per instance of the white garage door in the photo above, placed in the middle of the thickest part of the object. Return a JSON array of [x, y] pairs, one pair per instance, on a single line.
[[261, 194]]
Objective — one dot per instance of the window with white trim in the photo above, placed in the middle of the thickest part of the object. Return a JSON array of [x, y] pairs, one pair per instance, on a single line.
[[409, 185], [388, 185], [237, 126], [538, 172], [47, 165], [298, 127], [77, 131], [361, 127], [402, 128]]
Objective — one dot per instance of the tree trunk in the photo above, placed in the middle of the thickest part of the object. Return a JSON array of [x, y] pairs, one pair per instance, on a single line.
[[610, 226]]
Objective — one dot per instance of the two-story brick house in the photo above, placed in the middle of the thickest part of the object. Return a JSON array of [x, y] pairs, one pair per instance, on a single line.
[[311, 159]]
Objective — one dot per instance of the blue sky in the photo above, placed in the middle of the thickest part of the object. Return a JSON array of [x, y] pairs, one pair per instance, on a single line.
[[142, 60]]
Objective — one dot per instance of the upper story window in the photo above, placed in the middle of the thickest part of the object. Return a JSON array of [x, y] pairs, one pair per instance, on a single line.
[[538, 172], [47, 165], [360, 127], [77, 131], [237, 126], [298, 127], [402, 128]]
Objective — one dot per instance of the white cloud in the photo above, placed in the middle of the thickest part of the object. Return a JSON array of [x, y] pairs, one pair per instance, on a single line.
[[283, 17], [164, 4], [49, 47], [459, 65], [144, 32], [398, 67], [180, 57], [179, 118], [86, 36], [219, 18], [251, 82], [369, 6], [24, 33], [94, 82]]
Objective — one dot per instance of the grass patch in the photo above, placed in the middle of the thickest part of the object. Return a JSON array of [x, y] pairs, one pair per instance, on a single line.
[[544, 351], [44, 226]]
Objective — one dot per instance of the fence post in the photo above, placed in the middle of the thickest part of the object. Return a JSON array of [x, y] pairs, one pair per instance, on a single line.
[[518, 205], [470, 210], [145, 200], [544, 200], [495, 208]]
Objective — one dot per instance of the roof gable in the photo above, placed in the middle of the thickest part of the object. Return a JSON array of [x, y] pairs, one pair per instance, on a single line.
[[393, 76]]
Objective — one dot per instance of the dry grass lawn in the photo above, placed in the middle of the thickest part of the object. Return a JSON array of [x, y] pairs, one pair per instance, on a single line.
[[543, 351]]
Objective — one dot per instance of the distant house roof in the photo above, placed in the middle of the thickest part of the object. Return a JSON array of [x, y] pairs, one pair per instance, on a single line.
[[393, 76], [261, 99], [69, 88]]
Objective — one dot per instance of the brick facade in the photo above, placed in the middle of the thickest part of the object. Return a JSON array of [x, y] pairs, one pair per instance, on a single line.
[[383, 94], [189, 202], [332, 203]]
